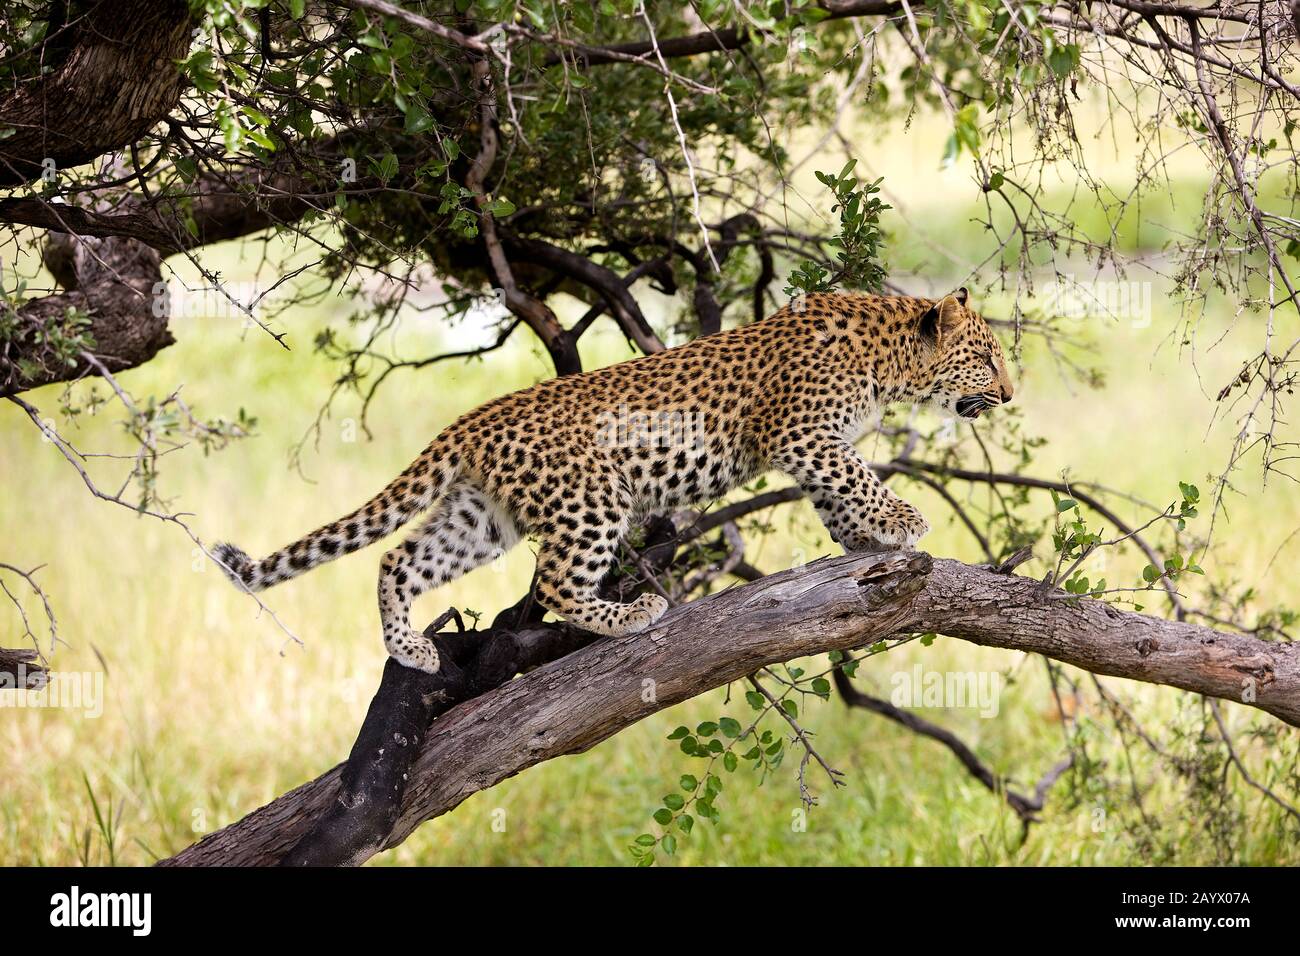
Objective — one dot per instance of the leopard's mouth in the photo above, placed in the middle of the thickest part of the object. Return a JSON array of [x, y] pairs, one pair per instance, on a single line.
[[971, 406]]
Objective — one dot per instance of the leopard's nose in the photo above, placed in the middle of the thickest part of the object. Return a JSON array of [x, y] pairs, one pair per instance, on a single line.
[[1006, 393]]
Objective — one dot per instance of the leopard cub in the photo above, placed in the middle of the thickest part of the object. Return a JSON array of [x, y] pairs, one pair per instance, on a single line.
[[575, 460]]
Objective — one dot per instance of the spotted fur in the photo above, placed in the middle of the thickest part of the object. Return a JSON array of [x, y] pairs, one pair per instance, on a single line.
[[574, 460]]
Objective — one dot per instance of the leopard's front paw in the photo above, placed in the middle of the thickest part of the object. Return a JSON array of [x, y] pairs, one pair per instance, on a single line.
[[904, 527], [644, 611]]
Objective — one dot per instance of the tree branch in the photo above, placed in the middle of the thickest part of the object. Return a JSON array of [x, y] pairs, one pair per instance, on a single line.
[[535, 313], [574, 703], [710, 41], [18, 668], [111, 286], [117, 80], [622, 305]]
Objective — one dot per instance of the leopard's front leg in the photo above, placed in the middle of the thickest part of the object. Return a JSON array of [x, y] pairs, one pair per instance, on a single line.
[[858, 510]]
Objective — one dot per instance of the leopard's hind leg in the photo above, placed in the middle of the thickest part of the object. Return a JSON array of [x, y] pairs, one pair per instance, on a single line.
[[577, 551], [466, 530]]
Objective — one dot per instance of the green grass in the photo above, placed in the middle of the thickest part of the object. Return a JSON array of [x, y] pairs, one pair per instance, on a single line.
[[211, 711]]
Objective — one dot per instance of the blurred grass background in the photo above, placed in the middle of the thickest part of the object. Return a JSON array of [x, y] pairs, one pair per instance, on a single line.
[[210, 711]]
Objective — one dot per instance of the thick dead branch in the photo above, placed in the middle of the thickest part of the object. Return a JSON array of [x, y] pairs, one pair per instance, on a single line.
[[574, 703], [373, 781], [1019, 614], [375, 774]]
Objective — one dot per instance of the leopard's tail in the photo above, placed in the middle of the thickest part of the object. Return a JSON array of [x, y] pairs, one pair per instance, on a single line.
[[415, 490]]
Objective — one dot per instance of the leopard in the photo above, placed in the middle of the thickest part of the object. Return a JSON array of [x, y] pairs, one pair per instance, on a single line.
[[573, 463]]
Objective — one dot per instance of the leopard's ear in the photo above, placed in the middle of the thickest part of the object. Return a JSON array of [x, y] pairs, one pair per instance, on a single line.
[[944, 316]]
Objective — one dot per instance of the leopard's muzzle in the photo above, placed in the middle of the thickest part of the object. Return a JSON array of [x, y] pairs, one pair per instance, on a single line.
[[971, 406]]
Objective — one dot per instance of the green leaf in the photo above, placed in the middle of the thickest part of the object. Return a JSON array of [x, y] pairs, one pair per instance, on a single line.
[[584, 17], [1063, 59], [260, 138], [417, 120], [387, 167], [965, 134], [663, 816], [257, 116]]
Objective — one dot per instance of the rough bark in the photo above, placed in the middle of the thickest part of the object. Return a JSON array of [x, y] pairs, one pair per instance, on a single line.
[[373, 781], [117, 79], [574, 703], [1016, 613], [111, 282], [18, 668], [109, 77]]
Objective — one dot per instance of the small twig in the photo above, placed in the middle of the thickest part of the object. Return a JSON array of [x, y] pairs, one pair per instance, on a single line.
[[836, 776], [28, 633]]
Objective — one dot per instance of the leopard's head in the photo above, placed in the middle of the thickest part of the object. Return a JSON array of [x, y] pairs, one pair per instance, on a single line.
[[961, 369]]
